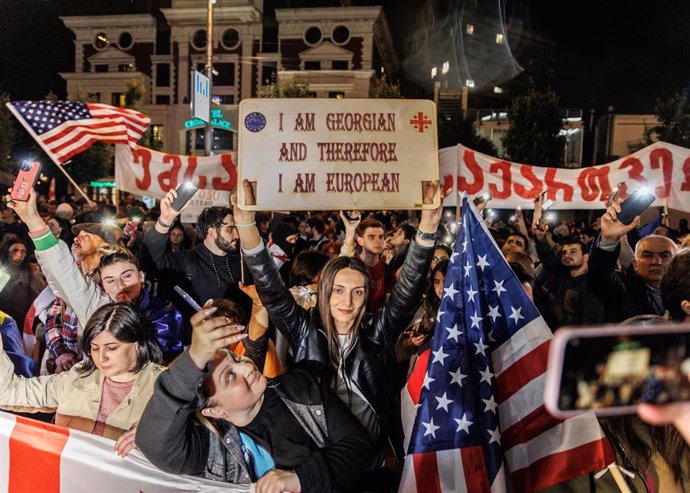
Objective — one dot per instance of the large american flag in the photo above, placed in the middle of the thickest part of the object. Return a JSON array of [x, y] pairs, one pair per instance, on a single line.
[[474, 405], [66, 128]]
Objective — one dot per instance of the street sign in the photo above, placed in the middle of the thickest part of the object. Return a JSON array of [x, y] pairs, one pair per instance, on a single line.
[[201, 97]]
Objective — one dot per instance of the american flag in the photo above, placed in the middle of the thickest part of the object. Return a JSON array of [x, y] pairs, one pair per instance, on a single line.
[[66, 128], [474, 405]]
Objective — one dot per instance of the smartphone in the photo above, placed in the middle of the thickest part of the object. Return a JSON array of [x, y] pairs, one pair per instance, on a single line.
[[188, 298], [611, 369], [26, 179], [184, 194], [635, 204]]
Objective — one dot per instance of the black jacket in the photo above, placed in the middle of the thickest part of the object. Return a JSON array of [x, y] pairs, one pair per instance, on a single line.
[[370, 362], [623, 293], [205, 275], [173, 441]]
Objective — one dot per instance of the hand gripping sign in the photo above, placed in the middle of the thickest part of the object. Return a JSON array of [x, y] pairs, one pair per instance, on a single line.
[[316, 154]]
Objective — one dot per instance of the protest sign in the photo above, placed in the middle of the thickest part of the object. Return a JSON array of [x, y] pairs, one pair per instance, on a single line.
[[663, 168], [308, 154], [143, 171]]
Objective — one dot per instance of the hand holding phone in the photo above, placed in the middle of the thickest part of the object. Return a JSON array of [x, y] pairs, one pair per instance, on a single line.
[[26, 179], [611, 369], [185, 192]]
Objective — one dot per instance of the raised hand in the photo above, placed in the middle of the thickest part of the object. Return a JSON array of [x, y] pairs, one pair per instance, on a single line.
[[28, 212], [611, 228], [211, 334], [431, 217]]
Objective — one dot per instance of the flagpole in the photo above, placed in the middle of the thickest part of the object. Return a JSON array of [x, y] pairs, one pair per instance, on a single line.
[[45, 149]]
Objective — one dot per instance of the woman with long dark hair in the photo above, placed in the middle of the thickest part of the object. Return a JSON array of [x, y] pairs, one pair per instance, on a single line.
[[355, 348], [107, 392]]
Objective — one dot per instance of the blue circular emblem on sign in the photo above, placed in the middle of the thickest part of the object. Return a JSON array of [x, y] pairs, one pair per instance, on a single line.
[[255, 122]]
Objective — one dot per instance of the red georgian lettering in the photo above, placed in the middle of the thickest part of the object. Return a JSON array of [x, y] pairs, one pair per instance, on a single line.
[[476, 172], [229, 166], [594, 183], [634, 173], [664, 159], [192, 163], [685, 187], [506, 179], [447, 182], [168, 179], [528, 174], [554, 186], [142, 156]]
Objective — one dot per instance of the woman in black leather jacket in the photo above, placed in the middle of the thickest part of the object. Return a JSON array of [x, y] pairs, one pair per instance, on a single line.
[[357, 348]]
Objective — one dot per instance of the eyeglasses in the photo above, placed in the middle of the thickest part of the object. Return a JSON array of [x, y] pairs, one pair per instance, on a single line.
[[438, 259]]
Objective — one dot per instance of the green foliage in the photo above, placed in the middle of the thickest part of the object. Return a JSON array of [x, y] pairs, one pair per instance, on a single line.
[[674, 121], [535, 122], [8, 134], [289, 89], [385, 89], [459, 129]]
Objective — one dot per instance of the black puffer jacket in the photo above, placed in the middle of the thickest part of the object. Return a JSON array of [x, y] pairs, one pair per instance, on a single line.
[[370, 362]]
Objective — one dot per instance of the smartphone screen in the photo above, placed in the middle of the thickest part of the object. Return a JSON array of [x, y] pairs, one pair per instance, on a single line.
[[4, 279], [612, 369]]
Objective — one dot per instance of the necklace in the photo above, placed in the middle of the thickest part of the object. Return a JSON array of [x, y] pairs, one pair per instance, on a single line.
[[215, 270]]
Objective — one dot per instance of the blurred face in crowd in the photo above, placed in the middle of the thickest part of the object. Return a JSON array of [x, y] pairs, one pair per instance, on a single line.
[[55, 227], [652, 254], [398, 240], [235, 386], [113, 357], [85, 244], [227, 237], [176, 237], [514, 243], [8, 216], [17, 253], [372, 240], [572, 256], [439, 282], [304, 229], [439, 254], [122, 281], [347, 298]]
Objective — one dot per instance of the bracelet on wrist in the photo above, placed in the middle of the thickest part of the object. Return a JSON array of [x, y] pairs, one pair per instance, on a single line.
[[163, 224], [245, 225], [426, 236]]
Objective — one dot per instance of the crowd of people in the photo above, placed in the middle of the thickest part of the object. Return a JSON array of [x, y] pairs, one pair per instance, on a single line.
[[289, 374]]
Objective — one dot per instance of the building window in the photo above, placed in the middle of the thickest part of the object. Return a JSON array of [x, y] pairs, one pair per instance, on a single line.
[[336, 95], [125, 67], [312, 65], [101, 41], [100, 68], [313, 36], [125, 41], [340, 65], [162, 99], [498, 90], [341, 35], [224, 99], [226, 74], [500, 39], [222, 139], [312, 94], [230, 39], [469, 29], [117, 99], [157, 132], [268, 73], [163, 75], [94, 97], [199, 39]]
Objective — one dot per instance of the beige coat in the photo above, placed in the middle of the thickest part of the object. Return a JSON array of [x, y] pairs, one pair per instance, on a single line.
[[75, 398]]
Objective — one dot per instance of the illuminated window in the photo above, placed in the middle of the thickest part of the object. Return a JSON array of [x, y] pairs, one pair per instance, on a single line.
[[469, 29], [498, 90], [101, 41], [500, 39]]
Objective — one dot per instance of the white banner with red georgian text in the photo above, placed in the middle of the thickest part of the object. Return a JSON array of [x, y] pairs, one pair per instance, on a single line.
[[36, 456], [663, 168], [143, 171]]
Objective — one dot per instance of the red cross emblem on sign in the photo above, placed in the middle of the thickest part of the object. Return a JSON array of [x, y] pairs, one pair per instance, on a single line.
[[421, 121]]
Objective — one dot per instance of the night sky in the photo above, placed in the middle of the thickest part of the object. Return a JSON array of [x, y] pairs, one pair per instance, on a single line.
[[610, 52]]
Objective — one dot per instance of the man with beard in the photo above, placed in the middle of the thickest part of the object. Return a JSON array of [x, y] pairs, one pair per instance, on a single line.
[[62, 324], [574, 304], [212, 268], [634, 291]]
